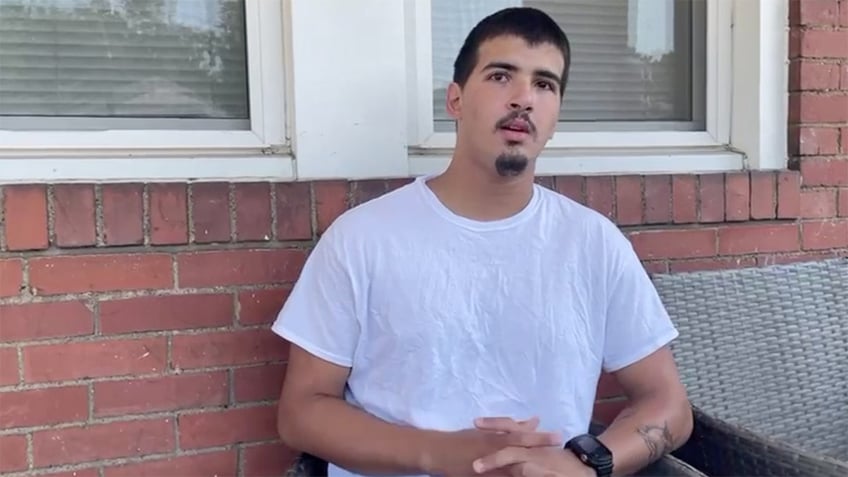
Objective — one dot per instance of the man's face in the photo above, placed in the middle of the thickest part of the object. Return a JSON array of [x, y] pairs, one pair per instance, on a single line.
[[509, 107]]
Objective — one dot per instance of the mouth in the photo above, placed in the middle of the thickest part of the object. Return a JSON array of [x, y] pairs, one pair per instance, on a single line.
[[515, 131]]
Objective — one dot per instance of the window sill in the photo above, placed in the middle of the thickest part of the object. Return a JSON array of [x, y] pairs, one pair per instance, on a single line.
[[611, 163], [132, 168]]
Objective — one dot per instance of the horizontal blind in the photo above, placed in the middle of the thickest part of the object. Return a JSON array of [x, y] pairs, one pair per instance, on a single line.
[[123, 58], [632, 60]]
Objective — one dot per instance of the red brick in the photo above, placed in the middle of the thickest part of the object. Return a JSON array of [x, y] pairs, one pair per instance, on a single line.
[[780, 259], [253, 212], [654, 267], [11, 277], [600, 195], [397, 183], [8, 366], [608, 387], [211, 212], [711, 198], [814, 12], [606, 411], [628, 199], [843, 202], [294, 214], [824, 172], [227, 348], [547, 182], [90, 472], [684, 199], [843, 14], [812, 75], [658, 199], [843, 85], [362, 191], [818, 108], [260, 307], [763, 195], [33, 321], [175, 312], [331, 201], [737, 196], [571, 187], [267, 459], [744, 239], [722, 263], [239, 267], [818, 204], [93, 273], [13, 453], [168, 393], [168, 214], [823, 43], [844, 140], [221, 463], [102, 441], [788, 194], [25, 216], [815, 141], [233, 426], [259, 383], [123, 211], [39, 407], [94, 359], [656, 245], [73, 207], [825, 234]]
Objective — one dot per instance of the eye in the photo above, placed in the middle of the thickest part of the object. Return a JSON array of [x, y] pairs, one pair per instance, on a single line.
[[499, 76], [546, 85]]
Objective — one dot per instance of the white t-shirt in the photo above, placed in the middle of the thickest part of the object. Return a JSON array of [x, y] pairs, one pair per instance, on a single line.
[[444, 319]]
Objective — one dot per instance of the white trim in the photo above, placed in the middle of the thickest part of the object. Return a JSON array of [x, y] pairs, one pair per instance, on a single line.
[[264, 24], [159, 169], [761, 82], [609, 163]]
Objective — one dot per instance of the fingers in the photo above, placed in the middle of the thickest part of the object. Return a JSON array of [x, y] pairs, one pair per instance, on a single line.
[[506, 424], [501, 458]]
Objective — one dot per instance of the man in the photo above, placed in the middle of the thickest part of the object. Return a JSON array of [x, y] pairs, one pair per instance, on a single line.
[[458, 325]]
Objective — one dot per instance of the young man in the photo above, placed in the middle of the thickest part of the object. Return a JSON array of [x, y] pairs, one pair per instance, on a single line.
[[458, 325]]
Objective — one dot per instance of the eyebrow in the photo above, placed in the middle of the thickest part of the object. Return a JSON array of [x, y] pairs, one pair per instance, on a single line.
[[539, 72]]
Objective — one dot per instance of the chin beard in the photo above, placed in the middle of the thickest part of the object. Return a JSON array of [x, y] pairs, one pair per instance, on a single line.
[[510, 164]]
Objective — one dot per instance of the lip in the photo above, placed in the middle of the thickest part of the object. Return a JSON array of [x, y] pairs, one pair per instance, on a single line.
[[512, 135]]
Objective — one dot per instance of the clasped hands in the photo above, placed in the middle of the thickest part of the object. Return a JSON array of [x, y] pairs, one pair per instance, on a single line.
[[503, 447]]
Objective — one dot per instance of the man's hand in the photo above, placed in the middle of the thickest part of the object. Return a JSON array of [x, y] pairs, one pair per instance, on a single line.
[[515, 461], [462, 448]]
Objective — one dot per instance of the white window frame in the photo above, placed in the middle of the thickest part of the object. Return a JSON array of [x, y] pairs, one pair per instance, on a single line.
[[354, 102], [746, 107], [175, 155]]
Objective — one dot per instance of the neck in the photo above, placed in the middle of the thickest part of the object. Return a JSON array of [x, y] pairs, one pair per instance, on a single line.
[[482, 194]]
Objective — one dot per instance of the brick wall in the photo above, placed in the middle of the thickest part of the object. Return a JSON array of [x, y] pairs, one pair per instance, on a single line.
[[133, 317]]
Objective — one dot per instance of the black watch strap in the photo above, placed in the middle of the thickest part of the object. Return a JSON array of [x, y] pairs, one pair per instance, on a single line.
[[593, 453]]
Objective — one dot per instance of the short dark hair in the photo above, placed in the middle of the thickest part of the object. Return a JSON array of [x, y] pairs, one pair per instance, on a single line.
[[531, 24]]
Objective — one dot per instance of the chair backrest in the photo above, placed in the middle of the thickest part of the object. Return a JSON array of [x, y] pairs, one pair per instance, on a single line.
[[766, 348]]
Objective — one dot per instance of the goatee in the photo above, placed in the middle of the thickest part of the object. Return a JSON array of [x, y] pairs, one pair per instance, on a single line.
[[511, 165]]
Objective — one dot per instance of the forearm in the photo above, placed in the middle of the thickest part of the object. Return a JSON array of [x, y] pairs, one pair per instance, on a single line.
[[647, 430], [333, 430]]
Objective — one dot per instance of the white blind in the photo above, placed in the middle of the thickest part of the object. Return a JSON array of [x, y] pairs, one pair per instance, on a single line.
[[123, 59], [632, 60]]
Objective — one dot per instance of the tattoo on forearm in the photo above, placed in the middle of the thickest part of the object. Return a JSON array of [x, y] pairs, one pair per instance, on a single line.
[[658, 439]]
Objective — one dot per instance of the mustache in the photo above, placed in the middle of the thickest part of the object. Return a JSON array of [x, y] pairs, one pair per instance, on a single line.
[[512, 117]]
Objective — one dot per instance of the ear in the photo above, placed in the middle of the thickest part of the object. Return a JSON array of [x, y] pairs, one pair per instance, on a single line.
[[454, 101]]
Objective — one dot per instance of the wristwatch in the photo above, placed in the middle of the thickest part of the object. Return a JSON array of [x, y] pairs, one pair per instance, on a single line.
[[592, 452]]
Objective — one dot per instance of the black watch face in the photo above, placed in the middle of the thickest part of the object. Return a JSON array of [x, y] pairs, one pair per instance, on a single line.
[[589, 446]]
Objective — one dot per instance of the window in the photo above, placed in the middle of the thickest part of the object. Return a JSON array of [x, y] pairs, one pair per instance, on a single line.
[[638, 65], [655, 85], [121, 82]]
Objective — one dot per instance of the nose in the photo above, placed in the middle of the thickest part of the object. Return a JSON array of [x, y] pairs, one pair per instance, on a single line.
[[522, 96]]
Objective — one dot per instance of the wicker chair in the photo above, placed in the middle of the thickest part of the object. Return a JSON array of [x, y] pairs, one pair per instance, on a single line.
[[669, 466], [764, 355]]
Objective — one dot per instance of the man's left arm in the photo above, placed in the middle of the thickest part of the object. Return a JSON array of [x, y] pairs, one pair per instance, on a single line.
[[657, 419]]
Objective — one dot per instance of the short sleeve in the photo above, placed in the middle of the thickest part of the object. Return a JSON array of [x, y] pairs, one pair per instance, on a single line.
[[637, 323], [320, 312]]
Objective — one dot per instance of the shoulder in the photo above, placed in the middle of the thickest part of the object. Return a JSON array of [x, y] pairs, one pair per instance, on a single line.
[[575, 217]]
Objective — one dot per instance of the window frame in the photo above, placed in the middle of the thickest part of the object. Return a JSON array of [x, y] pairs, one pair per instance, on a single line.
[[745, 120], [133, 154]]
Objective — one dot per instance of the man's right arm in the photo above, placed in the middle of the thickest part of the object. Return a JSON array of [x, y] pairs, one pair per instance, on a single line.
[[313, 417]]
